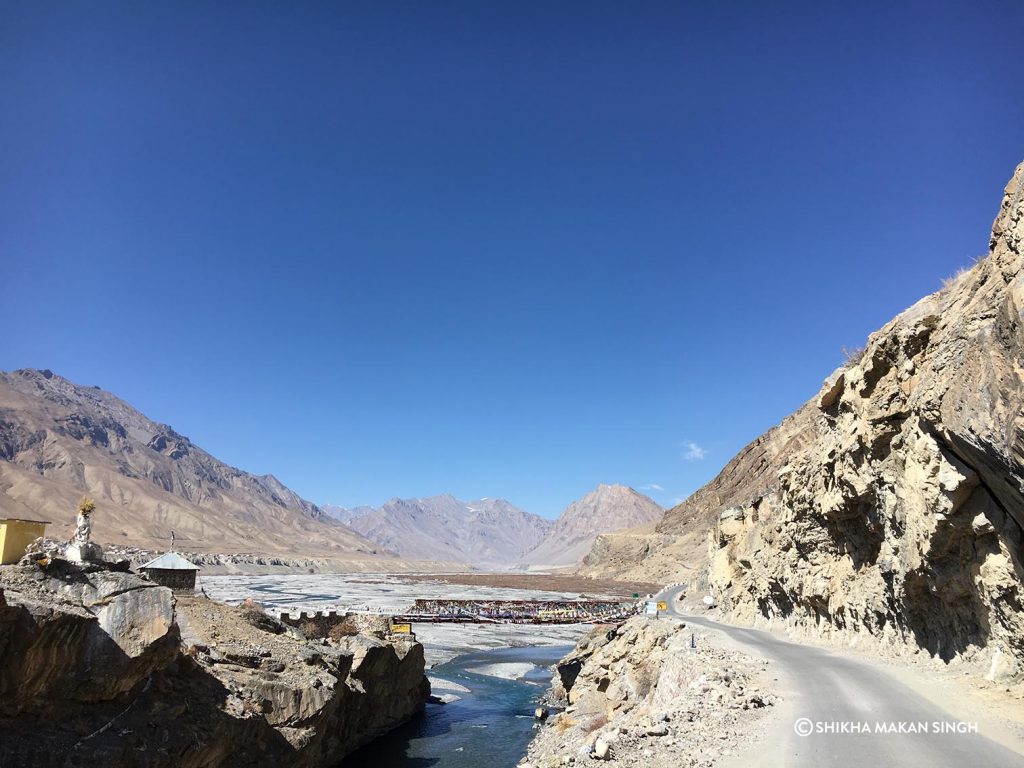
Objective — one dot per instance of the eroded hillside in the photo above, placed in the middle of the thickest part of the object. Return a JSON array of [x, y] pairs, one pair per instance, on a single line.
[[890, 505], [59, 440], [487, 532]]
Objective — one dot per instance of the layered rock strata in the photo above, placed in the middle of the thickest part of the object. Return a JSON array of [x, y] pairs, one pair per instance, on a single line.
[[889, 507]]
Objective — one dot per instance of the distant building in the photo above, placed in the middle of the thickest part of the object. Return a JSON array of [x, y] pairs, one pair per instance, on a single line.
[[172, 570], [15, 536]]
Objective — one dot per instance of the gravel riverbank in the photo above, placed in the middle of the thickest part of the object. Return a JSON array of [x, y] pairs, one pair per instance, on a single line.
[[642, 694]]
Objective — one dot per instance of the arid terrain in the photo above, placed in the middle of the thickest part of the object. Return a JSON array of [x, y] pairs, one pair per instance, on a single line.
[[60, 440], [888, 509], [557, 582], [606, 509]]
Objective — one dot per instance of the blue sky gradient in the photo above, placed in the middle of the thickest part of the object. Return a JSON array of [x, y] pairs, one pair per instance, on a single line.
[[496, 249]]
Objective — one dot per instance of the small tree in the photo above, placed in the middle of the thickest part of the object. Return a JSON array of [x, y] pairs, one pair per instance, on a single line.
[[853, 354]]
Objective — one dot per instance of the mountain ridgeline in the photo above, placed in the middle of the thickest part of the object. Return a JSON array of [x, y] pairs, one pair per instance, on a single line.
[[493, 532], [442, 528], [60, 440], [607, 509]]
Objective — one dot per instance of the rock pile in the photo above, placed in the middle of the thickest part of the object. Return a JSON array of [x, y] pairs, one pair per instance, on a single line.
[[640, 695]]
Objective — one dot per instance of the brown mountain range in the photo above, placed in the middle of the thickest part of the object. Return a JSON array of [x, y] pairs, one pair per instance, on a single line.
[[488, 532], [606, 509], [60, 440]]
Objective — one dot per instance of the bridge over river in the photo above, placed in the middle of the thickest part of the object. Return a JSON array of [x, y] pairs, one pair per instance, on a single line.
[[520, 611]]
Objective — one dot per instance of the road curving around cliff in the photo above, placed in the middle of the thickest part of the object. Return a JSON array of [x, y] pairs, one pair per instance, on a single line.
[[843, 711]]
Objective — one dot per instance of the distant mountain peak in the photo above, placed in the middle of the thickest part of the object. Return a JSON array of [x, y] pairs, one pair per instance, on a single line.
[[441, 527], [606, 509]]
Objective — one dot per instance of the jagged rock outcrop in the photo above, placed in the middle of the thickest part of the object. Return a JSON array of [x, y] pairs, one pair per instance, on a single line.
[[79, 634], [891, 505], [607, 508], [106, 669], [59, 440]]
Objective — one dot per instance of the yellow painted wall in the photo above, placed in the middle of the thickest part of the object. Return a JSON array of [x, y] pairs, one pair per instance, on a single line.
[[15, 536]]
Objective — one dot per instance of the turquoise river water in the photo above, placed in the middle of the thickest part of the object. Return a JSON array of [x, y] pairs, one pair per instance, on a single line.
[[490, 726]]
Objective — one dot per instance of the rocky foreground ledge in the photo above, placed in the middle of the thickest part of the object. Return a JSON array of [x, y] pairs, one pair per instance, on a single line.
[[101, 668], [640, 695]]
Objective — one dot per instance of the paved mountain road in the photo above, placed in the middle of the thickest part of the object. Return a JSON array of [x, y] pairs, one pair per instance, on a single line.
[[827, 689]]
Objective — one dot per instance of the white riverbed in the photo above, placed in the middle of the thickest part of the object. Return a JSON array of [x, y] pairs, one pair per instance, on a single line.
[[389, 594]]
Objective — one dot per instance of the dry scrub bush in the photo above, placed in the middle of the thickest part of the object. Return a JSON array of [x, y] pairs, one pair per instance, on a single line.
[[852, 355], [563, 723], [644, 679], [378, 626], [345, 629], [949, 282], [253, 614]]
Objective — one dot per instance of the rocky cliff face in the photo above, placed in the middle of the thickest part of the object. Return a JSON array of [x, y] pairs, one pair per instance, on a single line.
[[609, 508], [80, 635], [891, 505], [443, 528], [59, 440], [105, 669]]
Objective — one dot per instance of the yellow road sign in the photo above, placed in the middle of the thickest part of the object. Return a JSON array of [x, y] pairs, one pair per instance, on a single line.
[[401, 629], [662, 606]]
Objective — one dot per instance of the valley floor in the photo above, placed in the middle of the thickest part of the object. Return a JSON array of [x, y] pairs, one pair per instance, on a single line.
[[559, 582], [393, 594]]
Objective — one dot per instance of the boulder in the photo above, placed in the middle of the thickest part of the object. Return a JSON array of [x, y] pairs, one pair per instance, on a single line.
[[79, 636]]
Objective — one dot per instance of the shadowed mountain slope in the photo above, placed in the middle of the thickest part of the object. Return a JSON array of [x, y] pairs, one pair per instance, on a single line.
[[59, 440]]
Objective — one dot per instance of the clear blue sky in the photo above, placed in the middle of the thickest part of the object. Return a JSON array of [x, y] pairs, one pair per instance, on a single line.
[[498, 249]]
